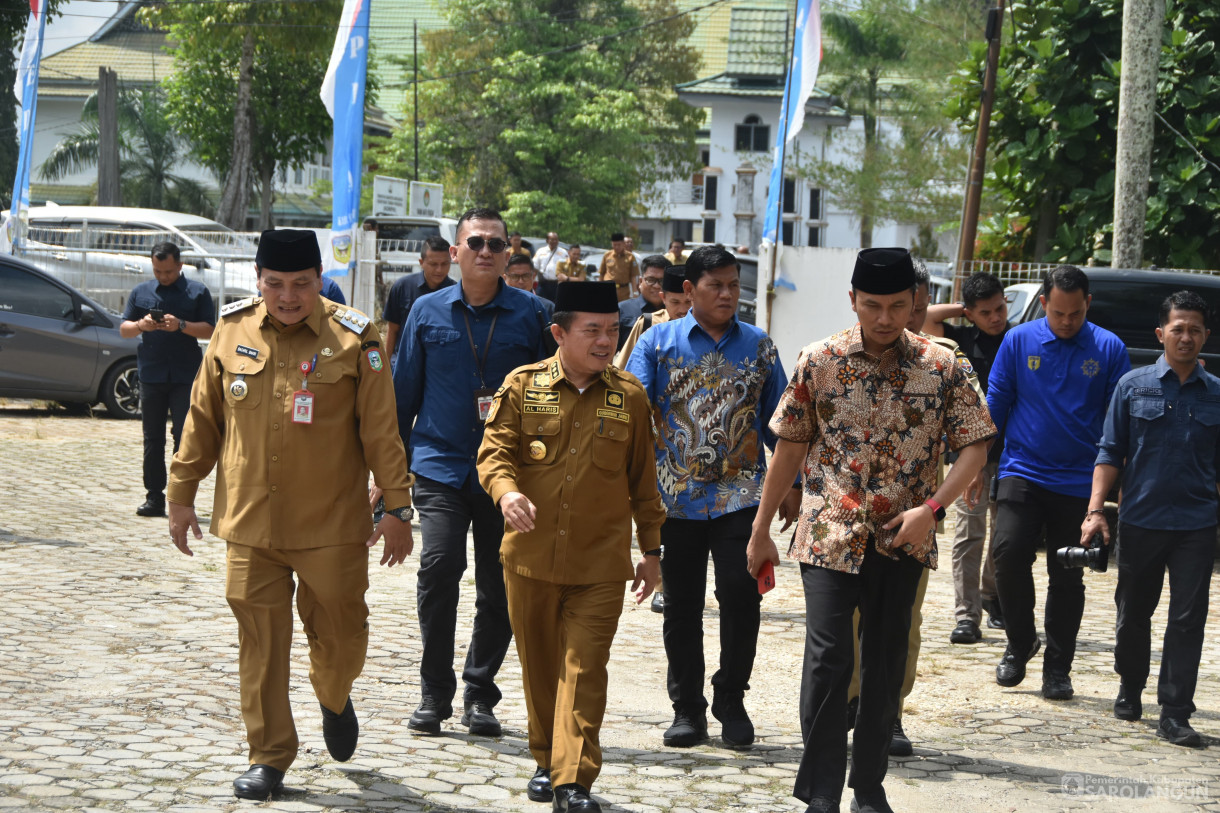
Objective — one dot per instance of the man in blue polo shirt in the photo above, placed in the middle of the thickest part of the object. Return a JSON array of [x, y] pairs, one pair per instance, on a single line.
[[456, 347], [1048, 391], [169, 313], [1162, 435], [714, 382]]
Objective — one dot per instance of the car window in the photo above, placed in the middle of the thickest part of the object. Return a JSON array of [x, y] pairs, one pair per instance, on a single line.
[[1131, 310], [23, 292], [406, 231]]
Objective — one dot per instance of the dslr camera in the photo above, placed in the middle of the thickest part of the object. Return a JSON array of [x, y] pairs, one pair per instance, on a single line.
[[1096, 557]]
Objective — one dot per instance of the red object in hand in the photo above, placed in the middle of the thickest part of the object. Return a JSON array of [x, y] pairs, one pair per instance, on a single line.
[[766, 578]]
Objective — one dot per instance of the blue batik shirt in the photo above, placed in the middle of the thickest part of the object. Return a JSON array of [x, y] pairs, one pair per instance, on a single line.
[[712, 401]]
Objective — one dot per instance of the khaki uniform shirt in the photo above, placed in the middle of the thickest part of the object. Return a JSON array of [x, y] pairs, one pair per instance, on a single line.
[[962, 361], [637, 330], [586, 460], [619, 270], [281, 484], [573, 270]]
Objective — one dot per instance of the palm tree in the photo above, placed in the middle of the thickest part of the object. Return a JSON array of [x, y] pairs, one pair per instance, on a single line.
[[149, 149]]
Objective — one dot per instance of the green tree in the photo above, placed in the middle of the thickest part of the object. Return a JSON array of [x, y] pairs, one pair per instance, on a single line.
[[13, 19], [248, 73], [1051, 176], [149, 149], [564, 141]]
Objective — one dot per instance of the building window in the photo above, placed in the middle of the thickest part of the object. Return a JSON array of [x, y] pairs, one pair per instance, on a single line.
[[684, 230], [787, 230], [706, 157], [815, 236], [709, 193], [709, 231], [753, 135], [647, 238], [815, 205], [789, 196]]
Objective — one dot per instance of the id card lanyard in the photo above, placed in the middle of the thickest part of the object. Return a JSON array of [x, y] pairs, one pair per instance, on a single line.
[[302, 399], [484, 395]]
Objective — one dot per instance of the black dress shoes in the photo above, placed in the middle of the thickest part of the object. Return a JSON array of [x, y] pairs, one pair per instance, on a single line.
[[481, 720], [821, 804], [1179, 732], [427, 718], [1057, 686], [539, 788], [340, 731], [995, 616], [966, 632], [688, 729], [574, 798], [871, 802], [1127, 705], [900, 744], [260, 782], [1011, 670], [151, 508]]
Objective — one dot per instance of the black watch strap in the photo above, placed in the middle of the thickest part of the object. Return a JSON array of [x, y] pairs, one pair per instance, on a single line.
[[653, 552], [402, 514]]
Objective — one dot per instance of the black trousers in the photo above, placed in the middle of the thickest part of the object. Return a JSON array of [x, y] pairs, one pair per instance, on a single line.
[[687, 544], [445, 515], [884, 590], [1143, 557], [1023, 511], [157, 403]]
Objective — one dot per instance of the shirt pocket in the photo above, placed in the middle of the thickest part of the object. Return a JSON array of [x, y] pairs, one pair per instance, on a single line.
[[539, 440], [243, 380], [1150, 409], [610, 445], [1205, 424]]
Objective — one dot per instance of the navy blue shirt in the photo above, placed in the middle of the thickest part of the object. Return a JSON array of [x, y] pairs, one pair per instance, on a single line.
[[332, 291], [164, 357], [1165, 436], [436, 374], [630, 310], [403, 294], [1048, 399]]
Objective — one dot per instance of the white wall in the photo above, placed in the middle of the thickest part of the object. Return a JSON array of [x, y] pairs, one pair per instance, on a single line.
[[819, 306]]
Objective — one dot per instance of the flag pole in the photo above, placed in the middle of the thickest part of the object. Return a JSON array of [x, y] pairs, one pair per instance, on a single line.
[[785, 115]]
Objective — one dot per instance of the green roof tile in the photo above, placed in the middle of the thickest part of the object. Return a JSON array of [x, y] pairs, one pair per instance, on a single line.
[[758, 42]]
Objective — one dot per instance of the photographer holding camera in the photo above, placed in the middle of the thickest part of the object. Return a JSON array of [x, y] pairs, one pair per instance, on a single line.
[[169, 313], [1162, 433]]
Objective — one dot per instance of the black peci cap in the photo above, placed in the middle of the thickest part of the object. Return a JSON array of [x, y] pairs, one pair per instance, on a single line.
[[883, 271], [675, 275], [587, 297], [288, 250]]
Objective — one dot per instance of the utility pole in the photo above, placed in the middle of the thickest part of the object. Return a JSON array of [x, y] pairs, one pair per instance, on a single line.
[[974, 189], [1142, 24], [108, 138]]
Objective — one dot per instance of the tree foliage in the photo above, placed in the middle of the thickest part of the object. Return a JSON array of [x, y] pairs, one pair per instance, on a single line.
[[1054, 133], [561, 142], [149, 149], [13, 19]]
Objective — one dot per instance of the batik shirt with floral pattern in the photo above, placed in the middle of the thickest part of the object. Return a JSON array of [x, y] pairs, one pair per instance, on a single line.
[[874, 425]]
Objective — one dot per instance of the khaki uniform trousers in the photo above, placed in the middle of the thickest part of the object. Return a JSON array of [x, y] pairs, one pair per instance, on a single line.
[[913, 641], [563, 634], [968, 543], [330, 600]]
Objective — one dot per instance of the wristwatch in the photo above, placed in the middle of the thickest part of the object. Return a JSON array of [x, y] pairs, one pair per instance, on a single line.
[[937, 509], [402, 514], [653, 552], [181, 325]]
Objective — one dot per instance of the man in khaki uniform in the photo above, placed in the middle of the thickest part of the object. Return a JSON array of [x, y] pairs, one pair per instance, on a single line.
[[295, 403], [568, 458], [573, 268], [619, 266]]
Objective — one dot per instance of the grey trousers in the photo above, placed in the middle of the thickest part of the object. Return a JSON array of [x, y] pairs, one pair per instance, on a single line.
[[968, 542]]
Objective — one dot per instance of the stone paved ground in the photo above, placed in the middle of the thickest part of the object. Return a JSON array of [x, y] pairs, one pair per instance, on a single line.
[[118, 685]]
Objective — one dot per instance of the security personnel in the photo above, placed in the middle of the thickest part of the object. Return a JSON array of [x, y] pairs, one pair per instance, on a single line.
[[568, 458], [619, 266], [295, 404]]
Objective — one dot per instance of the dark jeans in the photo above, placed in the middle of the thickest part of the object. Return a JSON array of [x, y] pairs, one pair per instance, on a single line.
[[1143, 557], [687, 543], [157, 403], [445, 515], [1023, 510], [884, 590]]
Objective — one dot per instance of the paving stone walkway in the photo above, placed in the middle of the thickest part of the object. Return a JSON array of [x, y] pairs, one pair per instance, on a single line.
[[118, 685]]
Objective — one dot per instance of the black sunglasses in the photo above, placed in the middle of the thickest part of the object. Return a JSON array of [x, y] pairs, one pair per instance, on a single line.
[[495, 245]]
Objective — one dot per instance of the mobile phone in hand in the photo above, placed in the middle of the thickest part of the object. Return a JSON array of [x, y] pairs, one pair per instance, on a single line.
[[766, 578], [157, 314]]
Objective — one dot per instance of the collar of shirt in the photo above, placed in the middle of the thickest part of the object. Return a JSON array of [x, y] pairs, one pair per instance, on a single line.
[[456, 293], [1163, 369], [1047, 336], [855, 344], [313, 321], [690, 324], [178, 285]]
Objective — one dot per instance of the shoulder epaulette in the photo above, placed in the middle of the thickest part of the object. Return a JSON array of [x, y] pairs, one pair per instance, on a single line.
[[239, 305], [353, 320]]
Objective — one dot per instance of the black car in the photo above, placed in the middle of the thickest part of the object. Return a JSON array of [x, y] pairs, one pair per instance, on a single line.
[[59, 345], [1127, 302]]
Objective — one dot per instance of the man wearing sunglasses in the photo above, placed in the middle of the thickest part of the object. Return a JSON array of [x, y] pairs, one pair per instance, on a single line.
[[457, 345]]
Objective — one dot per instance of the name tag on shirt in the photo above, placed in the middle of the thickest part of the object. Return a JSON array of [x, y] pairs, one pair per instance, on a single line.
[[302, 407]]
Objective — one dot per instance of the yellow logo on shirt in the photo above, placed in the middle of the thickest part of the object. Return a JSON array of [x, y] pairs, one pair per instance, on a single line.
[[1033, 362], [1090, 368], [542, 396], [614, 399]]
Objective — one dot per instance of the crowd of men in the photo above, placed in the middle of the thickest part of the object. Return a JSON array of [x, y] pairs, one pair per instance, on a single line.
[[494, 412]]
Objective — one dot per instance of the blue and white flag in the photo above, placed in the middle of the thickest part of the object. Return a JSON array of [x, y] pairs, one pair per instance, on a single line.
[[343, 95], [802, 76], [26, 89]]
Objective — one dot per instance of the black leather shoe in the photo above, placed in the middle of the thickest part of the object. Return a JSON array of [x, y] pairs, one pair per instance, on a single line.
[[900, 744], [151, 508], [539, 788], [658, 602], [1127, 705], [1179, 732], [820, 804], [427, 718], [853, 706], [574, 798], [736, 728], [966, 632], [260, 782], [688, 729], [1057, 686], [871, 802], [995, 616], [340, 731], [480, 719], [1011, 670]]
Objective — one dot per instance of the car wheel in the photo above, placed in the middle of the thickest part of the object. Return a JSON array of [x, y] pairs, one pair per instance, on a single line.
[[121, 390]]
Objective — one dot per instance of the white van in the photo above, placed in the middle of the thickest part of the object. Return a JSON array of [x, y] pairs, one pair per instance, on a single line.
[[104, 250]]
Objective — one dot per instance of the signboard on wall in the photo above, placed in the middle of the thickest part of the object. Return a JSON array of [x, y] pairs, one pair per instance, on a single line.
[[426, 199], [389, 196]]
